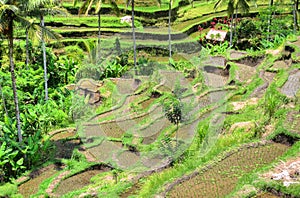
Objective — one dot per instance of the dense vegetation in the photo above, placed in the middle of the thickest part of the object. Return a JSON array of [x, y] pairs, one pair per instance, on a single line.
[[71, 85]]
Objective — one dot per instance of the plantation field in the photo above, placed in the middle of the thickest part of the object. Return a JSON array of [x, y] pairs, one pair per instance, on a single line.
[[220, 179], [92, 110]]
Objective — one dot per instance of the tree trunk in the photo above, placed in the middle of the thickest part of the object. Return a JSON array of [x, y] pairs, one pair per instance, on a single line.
[[297, 12], [44, 58], [231, 30], [13, 78], [295, 16], [3, 101], [27, 49], [270, 19], [133, 36], [99, 38], [177, 134], [235, 20], [169, 29]]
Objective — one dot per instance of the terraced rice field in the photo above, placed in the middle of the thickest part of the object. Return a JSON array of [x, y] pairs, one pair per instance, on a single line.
[[31, 187], [245, 73], [220, 179], [292, 85], [77, 181]]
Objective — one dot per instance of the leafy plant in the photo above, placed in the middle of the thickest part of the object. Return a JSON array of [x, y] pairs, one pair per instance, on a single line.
[[218, 49], [172, 108], [272, 100], [145, 66], [113, 70]]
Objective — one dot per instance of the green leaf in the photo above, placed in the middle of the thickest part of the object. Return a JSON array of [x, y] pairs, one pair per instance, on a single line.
[[172, 62], [20, 161]]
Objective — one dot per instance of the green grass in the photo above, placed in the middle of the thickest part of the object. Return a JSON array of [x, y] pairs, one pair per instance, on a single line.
[[90, 21], [122, 6], [8, 190]]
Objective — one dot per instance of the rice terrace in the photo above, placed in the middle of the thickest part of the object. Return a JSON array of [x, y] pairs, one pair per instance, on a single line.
[[144, 98]]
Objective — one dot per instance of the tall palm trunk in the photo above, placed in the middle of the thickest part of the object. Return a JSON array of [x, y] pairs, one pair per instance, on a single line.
[[3, 101], [270, 19], [27, 48], [99, 38], [13, 77], [297, 11], [231, 29], [133, 36], [169, 29], [295, 16], [44, 58], [235, 19]]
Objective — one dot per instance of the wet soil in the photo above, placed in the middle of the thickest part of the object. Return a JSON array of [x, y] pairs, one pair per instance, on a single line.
[[285, 139], [216, 70], [250, 61], [131, 191], [127, 158], [244, 72], [215, 80], [216, 61], [293, 121], [236, 54], [266, 195], [78, 181], [146, 103], [292, 85], [63, 135], [64, 149]]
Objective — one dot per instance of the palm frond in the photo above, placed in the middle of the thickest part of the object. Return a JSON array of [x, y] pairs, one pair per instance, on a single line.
[[244, 6], [128, 2], [31, 26], [83, 7], [230, 7], [50, 34], [115, 7], [54, 11], [98, 6], [89, 7], [33, 4], [159, 2], [218, 3], [75, 2], [6, 7]]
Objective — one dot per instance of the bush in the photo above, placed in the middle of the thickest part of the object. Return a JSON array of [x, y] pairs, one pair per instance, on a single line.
[[8, 189]]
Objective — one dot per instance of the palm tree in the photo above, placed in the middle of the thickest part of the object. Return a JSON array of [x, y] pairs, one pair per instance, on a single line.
[[233, 5], [169, 28], [10, 12], [128, 2], [295, 9], [41, 8], [86, 7], [133, 32]]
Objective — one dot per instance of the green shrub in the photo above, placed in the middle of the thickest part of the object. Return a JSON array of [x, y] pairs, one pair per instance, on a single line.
[[8, 189]]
